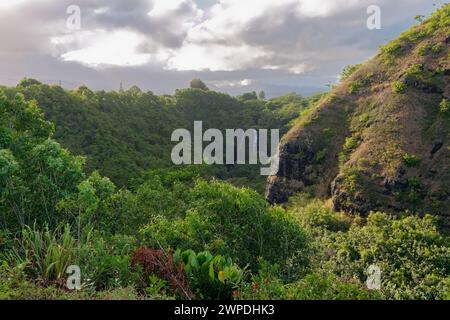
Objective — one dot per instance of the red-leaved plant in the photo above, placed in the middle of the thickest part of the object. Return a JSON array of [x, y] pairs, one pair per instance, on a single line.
[[160, 263]]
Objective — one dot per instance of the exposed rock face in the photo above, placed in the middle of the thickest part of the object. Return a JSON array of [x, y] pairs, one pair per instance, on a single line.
[[379, 140]]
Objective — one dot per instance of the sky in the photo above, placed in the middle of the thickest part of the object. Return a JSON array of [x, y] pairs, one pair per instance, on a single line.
[[234, 46]]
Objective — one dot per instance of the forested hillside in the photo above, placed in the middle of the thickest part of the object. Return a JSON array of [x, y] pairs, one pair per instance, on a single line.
[[124, 133]]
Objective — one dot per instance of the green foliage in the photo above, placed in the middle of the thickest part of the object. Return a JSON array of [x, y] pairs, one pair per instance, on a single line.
[[411, 160], [412, 255], [92, 204], [328, 287], [313, 216], [305, 252], [267, 286], [399, 87], [46, 254], [231, 222], [391, 51], [355, 86], [364, 118], [349, 70], [419, 18], [444, 106], [262, 95], [248, 96], [429, 48], [101, 125], [351, 143], [198, 84], [321, 155], [214, 277], [439, 20], [36, 172], [14, 285], [26, 82], [106, 262]]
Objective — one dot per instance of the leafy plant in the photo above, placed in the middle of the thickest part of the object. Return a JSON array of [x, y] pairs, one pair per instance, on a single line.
[[45, 253], [355, 86], [229, 221], [444, 106], [106, 262], [411, 160], [161, 264], [399, 87], [214, 277], [350, 144], [349, 70]]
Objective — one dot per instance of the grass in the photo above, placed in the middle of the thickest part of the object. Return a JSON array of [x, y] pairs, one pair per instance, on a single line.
[[46, 254]]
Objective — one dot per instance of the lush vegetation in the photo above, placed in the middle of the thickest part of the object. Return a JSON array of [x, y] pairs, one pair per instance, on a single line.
[[156, 231], [142, 244], [125, 133]]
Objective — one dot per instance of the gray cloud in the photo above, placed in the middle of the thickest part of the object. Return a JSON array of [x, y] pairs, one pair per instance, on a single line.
[[282, 39]]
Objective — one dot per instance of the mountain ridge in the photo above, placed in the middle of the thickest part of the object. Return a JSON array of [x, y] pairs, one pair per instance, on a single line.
[[379, 141]]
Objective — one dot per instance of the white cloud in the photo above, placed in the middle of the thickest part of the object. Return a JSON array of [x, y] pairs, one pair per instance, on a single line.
[[323, 8], [223, 41], [102, 48], [214, 57], [284, 35], [9, 4], [232, 83], [271, 42], [162, 8]]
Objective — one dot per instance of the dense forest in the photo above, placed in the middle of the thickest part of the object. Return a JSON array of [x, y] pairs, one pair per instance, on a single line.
[[86, 180], [125, 133]]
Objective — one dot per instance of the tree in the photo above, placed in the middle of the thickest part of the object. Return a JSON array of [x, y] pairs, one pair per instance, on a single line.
[[135, 90], [262, 95], [26, 82], [198, 84], [248, 96], [35, 172]]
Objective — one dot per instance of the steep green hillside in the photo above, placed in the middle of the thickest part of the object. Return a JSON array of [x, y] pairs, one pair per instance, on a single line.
[[380, 139], [123, 133]]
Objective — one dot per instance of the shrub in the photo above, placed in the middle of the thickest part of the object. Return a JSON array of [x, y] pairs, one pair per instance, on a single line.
[[364, 118], [349, 70], [444, 106], [411, 253], [229, 221], [351, 143], [213, 277], [437, 48], [424, 49], [161, 264], [391, 50], [399, 87], [313, 215], [106, 263], [321, 155], [264, 285], [411, 160], [14, 285], [355, 86], [416, 72], [328, 287], [267, 286]]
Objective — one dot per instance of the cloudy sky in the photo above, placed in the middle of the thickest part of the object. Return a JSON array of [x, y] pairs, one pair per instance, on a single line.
[[235, 46]]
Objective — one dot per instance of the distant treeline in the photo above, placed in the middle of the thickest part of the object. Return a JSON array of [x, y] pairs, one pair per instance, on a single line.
[[123, 133]]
